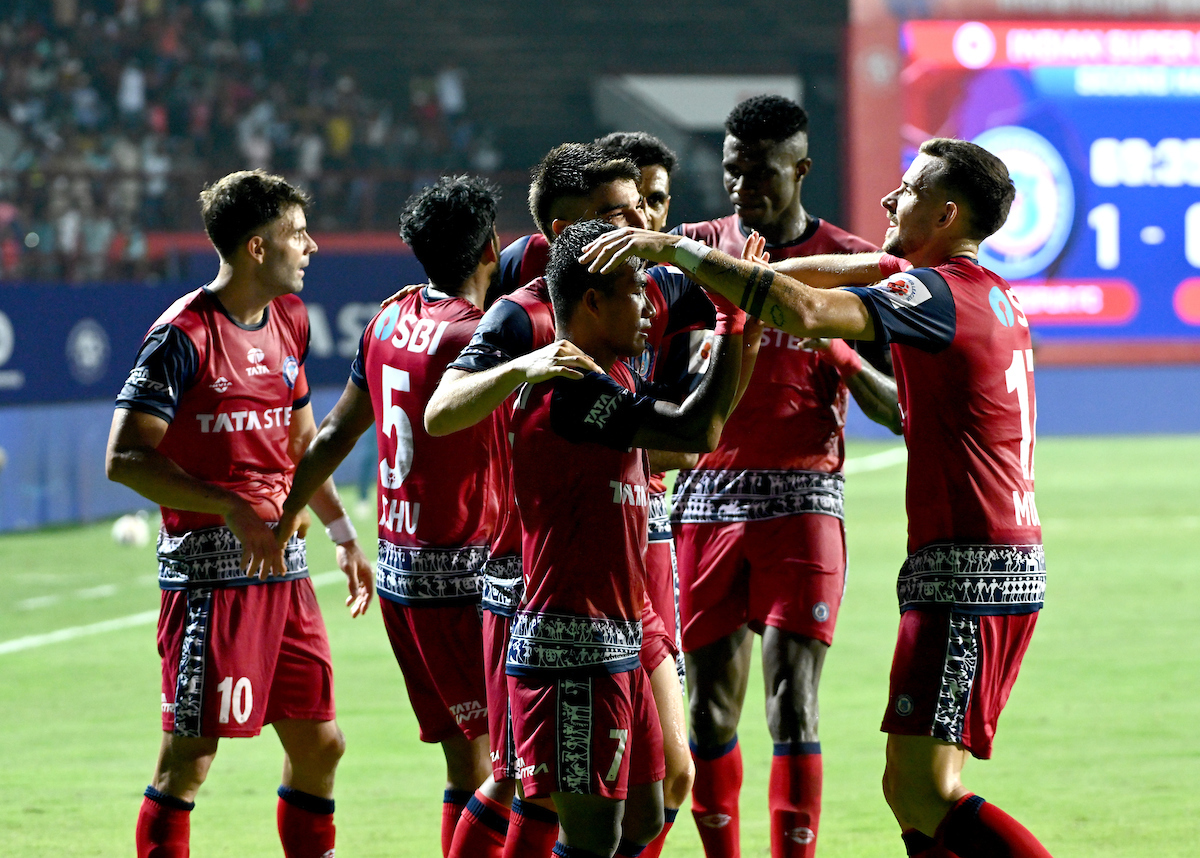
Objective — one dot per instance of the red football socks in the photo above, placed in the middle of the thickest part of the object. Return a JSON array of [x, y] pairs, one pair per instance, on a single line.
[[163, 826], [305, 824], [532, 830], [654, 847], [975, 829], [794, 799], [715, 798], [481, 829], [453, 803]]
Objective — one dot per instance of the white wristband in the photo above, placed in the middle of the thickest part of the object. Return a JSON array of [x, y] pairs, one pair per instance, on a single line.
[[689, 253], [341, 531]]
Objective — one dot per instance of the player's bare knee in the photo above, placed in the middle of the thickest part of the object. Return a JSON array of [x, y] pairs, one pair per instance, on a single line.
[[677, 785], [792, 712]]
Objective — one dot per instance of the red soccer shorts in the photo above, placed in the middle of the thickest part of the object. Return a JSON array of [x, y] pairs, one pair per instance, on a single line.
[[661, 584], [657, 644], [590, 735], [952, 674], [249, 656], [440, 652], [495, 652], [787, 572]]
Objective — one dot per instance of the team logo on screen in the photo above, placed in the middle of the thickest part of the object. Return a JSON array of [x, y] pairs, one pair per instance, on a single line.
[[87, 351], [1042, 213], [291, 370]]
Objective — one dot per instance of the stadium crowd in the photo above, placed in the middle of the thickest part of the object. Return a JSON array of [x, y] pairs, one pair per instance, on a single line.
[[109, 107]]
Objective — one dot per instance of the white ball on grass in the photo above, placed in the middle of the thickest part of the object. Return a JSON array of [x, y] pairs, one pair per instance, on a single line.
[[131, 530]]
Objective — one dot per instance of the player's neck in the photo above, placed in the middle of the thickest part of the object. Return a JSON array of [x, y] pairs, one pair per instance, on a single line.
[[594, 346], [942, 252], [242, 297], [790, 226]]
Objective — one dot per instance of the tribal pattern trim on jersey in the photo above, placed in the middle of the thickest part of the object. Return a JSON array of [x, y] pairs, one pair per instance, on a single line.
[[574, 735], [974, 579], [703, 497], [212, 556], [568, 642], [660, 517], [503, 584], [958, 678], [189, 682], [429, 576]]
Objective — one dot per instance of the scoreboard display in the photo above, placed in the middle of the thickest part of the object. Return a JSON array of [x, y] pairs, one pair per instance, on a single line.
[[1099, 125]]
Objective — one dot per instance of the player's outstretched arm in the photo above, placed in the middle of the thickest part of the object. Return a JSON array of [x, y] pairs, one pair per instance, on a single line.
[[132, 459], [318, 452], [777, 299], [463, 398], [828, 271]]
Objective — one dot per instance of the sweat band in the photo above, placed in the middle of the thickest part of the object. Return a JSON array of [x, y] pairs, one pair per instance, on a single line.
[[341, 531], [689, 253]]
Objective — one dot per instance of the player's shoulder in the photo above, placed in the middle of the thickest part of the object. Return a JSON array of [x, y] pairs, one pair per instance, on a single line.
[[532, 294], [842, 240], [189, 309], [708, 231]]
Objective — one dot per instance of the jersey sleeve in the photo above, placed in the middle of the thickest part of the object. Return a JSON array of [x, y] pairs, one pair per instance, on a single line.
[[503, 333], [597, 410], [510, 266], [913, 308], [302, 394], [687, 305], [165, 366], [358, 369]]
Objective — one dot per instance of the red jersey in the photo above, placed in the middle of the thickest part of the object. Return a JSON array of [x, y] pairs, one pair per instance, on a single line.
[[227, 392], [782, 449], [583, 497], [437, 509], [964, 371]]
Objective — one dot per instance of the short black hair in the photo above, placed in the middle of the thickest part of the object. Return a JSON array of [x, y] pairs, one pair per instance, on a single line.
[[448, 224], [976, 177], [641, 148], [573, 170], [766, 117], [237, 205], [567, 279]]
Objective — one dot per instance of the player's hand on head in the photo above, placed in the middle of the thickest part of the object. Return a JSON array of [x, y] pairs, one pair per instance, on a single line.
[[559, 359], [360, 577], [262, 556], [403, 293], [613, 248]]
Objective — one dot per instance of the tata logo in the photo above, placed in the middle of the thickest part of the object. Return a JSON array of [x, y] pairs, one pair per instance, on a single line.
[[629, 494], [221, 385], [601, 410], [255, 355]]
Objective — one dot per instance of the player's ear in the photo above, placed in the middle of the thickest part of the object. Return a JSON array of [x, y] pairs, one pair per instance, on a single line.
[[558, 225], [591, 301], [491, 250], [802, 167], [950, 214], [254, 246]]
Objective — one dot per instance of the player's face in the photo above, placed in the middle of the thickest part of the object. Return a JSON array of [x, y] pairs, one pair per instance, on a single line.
[[618, 203], [914, 209], [287, 247], [626, 312], [655, 189], [763, 178]]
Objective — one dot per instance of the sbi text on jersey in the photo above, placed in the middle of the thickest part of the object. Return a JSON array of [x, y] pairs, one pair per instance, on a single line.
[[245, 421], [629, 494], [410, 332]]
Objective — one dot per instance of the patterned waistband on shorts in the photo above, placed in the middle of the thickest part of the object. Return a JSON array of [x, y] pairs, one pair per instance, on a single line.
[[429, 576], [212, 556], [503, 584], [562, 643], [974, 579], [660, 517], [731, 496]]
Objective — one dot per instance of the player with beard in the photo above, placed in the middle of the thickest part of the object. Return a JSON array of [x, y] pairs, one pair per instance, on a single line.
[[208, 425], [758, 522], [437, 504], [974, 580]]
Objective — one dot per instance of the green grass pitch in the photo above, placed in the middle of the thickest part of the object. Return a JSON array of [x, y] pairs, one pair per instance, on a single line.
[[1097, 751]]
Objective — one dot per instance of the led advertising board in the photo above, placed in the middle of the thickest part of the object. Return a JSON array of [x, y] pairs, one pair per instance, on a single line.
[[1099, 125]]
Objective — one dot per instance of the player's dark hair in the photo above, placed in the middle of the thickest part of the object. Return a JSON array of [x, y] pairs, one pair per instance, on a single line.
[[972, 175], [241, 203], [448, 225], [641, 148], [766, 117], [572, 170], [567, 279]]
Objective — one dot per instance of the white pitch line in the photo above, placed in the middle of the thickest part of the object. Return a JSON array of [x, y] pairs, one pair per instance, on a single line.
[[145, 618], [877, 461]]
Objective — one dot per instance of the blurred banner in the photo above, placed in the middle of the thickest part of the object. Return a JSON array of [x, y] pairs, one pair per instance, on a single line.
[[61, 343]]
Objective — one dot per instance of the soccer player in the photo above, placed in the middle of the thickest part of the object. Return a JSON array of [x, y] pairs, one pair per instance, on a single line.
[[573, 181], [208, 425], [656, 162], [758, 522], [437, 506], [586, 732], [974, 579]]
